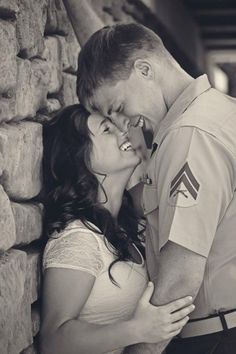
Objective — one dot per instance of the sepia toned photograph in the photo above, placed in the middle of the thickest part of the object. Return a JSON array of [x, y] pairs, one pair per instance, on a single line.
[[117, 177]]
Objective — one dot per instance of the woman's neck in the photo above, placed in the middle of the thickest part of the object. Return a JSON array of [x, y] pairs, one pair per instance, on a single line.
[[114, 187]]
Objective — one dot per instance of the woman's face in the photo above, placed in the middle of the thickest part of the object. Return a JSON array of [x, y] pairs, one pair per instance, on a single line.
[[112, 151]]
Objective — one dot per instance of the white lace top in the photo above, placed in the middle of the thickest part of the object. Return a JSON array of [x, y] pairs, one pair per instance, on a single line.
[[77, 247]]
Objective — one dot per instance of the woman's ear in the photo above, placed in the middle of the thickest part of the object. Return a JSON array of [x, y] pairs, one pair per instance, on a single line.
[[144, 68]]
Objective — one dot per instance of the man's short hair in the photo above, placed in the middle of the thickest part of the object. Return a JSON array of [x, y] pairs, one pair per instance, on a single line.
[[109, 54]]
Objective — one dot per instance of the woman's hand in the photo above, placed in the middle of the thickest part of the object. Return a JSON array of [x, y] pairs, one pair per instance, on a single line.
[[153, 324]]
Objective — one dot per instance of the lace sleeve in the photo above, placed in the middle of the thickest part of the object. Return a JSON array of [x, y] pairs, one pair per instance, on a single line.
[[75, 250]]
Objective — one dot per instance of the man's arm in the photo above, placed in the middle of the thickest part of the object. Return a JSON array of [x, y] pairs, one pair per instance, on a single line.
[[180, 273]]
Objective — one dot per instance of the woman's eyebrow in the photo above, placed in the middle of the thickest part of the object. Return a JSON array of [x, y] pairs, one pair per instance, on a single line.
[[101, 123]]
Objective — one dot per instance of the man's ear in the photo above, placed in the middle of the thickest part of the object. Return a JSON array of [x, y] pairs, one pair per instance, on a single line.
[[144, 68]]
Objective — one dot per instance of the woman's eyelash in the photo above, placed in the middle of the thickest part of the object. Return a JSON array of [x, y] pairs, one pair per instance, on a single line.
[[119, 109]]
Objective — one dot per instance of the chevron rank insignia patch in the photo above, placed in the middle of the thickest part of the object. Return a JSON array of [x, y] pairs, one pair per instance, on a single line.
[[184, 188]]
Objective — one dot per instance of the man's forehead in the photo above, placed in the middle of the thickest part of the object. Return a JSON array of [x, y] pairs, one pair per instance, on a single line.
[[102, 100]]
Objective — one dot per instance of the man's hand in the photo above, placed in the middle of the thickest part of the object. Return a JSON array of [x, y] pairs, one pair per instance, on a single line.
[[177, 277]]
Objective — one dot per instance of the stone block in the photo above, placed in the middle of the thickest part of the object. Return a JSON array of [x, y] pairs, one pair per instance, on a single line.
[[28, 221], [70, 53], [8, 8], [31, 91], [7, 108], [52, 106], [57, 20], [53, 55], [21, 149], [33, 277], [67, 95], [31, 21], [33, 80], [7, 223], [15, 310], [8, 66]]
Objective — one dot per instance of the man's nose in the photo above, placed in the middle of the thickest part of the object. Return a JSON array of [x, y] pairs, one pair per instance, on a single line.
[[122, 122]]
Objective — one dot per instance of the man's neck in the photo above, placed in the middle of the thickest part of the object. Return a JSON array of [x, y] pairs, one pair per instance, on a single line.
[[176, 86]]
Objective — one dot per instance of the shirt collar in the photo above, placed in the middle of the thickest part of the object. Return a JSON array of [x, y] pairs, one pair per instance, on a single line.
[[183, 101]]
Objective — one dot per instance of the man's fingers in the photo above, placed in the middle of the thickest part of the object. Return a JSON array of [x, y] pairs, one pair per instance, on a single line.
[[147, 294], [179, 304], [178, 315], [180, 324]]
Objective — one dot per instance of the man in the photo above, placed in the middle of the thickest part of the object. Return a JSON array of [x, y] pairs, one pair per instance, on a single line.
[[189, 200]]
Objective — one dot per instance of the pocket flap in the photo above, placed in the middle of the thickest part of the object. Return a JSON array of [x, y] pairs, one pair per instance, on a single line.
[[150, 199]]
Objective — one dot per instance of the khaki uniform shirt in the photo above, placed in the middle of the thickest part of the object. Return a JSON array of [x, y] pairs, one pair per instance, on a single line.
[[189, 197]]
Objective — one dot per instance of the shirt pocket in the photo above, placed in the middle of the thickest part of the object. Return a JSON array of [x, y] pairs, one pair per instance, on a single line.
[[150, 199]]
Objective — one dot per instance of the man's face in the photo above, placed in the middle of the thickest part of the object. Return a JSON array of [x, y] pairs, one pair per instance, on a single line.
[[135, 101]]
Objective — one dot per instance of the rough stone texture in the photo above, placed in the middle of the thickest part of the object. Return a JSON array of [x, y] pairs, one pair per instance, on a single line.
[[33, 80], [53, 54], [7, 222], [21, 148], [8, 8], [31, 91], [57, 20], [7, 108], [8, 67], [15, 311], [70, 53], [33, 277], [28, 221], [31, 21], [67, 95], [52, 105]]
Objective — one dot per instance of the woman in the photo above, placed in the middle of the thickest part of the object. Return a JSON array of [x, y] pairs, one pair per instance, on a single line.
[[96, 293]]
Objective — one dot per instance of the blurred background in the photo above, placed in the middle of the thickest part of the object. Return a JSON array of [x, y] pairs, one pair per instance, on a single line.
[[200, 34], [38, 67]]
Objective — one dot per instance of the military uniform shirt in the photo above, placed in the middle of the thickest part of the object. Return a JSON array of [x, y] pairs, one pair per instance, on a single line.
[[189, 197]]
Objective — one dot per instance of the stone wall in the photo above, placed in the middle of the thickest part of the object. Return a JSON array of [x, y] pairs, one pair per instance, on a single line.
[[38, 64]]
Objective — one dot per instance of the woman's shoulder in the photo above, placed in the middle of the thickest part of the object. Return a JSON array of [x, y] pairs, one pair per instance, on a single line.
[[73, 246], [76, 233], [77, 226]]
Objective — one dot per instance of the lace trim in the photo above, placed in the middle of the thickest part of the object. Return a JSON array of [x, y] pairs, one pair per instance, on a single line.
[[74, 250]]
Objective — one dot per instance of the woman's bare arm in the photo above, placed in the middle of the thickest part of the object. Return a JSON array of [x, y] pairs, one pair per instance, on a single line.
[[83, 18], [64, 295]]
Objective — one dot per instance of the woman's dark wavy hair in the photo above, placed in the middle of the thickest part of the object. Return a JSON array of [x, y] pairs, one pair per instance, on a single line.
[[71, 188]]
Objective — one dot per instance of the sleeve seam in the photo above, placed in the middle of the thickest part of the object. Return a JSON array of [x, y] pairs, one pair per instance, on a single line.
[[66, 266]]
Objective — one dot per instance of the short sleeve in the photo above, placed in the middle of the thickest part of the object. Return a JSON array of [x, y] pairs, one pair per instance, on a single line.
[[195, 187], [74, 250]]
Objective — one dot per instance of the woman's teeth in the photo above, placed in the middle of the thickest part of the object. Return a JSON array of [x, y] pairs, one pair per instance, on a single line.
[[126, 146]]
